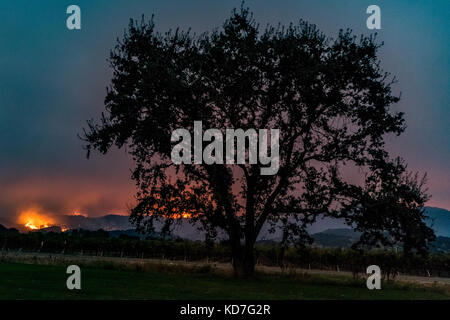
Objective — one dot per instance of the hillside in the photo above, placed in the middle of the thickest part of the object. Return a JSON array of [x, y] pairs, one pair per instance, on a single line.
[[344, 238], [326, 231], [439, 220]]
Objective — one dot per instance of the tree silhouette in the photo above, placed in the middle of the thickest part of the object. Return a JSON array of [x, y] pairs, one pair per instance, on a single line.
[[389, 208], [328, 97]]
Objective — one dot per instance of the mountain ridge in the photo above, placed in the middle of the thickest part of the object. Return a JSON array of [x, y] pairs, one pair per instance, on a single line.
[[437, 218]]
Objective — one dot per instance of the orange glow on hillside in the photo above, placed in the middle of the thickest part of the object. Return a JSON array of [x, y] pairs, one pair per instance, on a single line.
[[32, 219], [77, 213], [184, 215]]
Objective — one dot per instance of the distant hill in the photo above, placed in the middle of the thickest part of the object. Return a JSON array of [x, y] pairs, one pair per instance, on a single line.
[[54, 229], [442, 244], [340, 238], [327, 232], [344, 238], [4, 229], [132, 234], [439, 220], [108, 222], [121, 224]]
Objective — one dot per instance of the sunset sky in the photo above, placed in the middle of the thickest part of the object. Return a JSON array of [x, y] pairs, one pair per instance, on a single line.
[[52, 80]]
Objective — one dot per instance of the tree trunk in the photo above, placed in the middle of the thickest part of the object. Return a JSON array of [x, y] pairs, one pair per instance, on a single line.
[[283, 246], [281, 257], [243, 260]]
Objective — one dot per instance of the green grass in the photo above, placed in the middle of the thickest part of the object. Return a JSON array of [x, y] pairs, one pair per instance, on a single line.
[[31, 281]]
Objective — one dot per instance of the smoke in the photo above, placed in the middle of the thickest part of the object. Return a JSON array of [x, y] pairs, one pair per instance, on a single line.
[[54, 195]]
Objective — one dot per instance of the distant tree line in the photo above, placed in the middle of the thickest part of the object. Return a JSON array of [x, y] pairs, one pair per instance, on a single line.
[[99, 243]]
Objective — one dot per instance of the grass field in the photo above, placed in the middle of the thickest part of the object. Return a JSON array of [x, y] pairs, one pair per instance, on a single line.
[[35, 281]]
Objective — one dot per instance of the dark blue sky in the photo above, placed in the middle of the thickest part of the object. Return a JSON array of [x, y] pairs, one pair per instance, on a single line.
[[53, 79]]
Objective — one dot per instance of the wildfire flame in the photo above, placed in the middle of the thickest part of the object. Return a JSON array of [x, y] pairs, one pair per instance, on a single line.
[[77, 213], [183, 215], [32, 219]]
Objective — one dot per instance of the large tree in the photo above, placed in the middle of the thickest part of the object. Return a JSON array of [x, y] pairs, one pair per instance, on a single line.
[[328, 97]]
